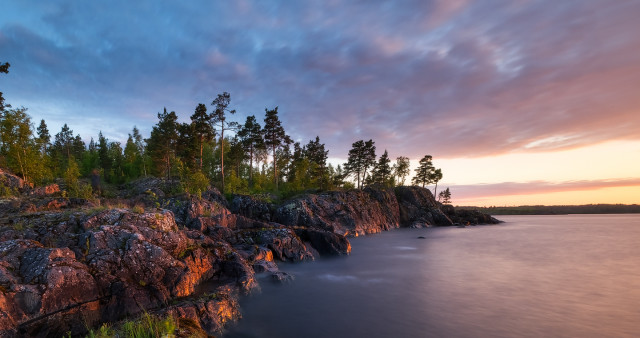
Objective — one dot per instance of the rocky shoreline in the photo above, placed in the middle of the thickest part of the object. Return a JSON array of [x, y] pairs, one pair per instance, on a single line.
[[67, 265]]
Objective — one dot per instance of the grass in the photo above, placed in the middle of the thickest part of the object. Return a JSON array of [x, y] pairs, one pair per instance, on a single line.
[[138, 209], [147, 326]]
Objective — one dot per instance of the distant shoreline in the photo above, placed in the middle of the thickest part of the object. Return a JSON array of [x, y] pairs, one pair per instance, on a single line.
[[559, 209]]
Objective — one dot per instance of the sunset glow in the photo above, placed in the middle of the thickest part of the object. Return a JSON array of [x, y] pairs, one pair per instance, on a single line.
[[519, 102]]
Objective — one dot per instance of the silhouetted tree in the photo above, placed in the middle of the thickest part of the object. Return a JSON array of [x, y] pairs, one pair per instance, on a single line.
[[435, 178], [402, 168], [381, 174], [362, 156], [314, 151], [445, 196], [424, 172]]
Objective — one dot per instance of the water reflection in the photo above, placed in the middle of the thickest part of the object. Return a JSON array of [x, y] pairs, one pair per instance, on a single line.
[[536, 276]]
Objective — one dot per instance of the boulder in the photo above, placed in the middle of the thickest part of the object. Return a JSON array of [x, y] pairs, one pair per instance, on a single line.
[[208, 313], [251, 207], [351, 212], [325, 242], [45, 291], [418, 208], [10, 183], [283, 243]]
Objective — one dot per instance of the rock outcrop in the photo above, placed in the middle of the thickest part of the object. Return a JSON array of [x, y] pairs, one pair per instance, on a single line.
[[68, 264]]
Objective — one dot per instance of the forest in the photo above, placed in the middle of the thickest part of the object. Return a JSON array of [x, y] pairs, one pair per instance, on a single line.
[[237, 157]]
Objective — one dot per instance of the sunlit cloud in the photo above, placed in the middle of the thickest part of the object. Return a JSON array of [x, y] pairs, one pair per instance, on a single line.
[[456, 79], [538, 187]]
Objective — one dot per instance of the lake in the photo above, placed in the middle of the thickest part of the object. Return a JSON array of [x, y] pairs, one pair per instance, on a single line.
[[533, 276]]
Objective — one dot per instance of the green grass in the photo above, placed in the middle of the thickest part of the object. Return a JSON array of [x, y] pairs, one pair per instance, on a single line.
[[147, 326]]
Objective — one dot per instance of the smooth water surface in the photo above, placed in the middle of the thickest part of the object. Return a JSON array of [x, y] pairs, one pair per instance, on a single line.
[[533, 276]]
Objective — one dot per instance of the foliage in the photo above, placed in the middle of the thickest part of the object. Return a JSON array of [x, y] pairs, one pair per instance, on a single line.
[[237, 185], [274, 138], [15, 141], [162, 143], [401, 169], [147, 326], [74, 187], [218, 119], [381, 174], [254, 160], [250, 135], [445, 196], [197, 183], [362, 156], [435, 178], [424, 172], [201, 128], [4, 68]]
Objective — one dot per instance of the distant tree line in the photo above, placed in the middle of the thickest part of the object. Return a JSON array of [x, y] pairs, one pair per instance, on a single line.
[[560, 209], [247, 157]]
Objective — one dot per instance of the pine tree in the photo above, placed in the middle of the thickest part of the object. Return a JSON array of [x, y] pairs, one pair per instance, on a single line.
[[201, 126], [314, 151], [219, 119], [4, 68], [63, 142], [362, 156], [445, 196], [162, 142], [274, 138], [103, 156], [132, 156], [381, 174], [424, 172], [435, 178], [44, 138], [138, 141], [251, 136], [401, 169]]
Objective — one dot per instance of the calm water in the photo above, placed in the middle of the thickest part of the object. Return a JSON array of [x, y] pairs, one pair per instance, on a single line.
[[534, 276]]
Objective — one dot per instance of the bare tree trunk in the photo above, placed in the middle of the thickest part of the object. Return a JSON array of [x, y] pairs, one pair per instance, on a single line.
[[201, 154], [222, 156], [251, 166], [435, 189], [275, 168]]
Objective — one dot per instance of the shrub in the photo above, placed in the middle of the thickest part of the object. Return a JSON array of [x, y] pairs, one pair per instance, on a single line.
[[197, 183]]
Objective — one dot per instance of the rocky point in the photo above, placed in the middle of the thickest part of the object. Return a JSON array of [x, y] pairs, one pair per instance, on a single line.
[[67, 265]]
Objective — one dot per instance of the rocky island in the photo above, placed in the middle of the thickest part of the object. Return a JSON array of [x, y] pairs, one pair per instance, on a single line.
[[69, 264]]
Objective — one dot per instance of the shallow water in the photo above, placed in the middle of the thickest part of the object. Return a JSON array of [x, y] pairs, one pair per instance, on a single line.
[[534, 276]]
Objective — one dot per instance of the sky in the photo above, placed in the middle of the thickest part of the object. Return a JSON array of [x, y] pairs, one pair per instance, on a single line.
[[519, 102]]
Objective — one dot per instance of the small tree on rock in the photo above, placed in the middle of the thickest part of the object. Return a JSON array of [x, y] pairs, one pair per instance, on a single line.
[[445, 196], [424, 172]]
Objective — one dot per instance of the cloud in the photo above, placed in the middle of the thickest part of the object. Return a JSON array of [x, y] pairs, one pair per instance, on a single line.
[[467, 192], [450, 78]]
